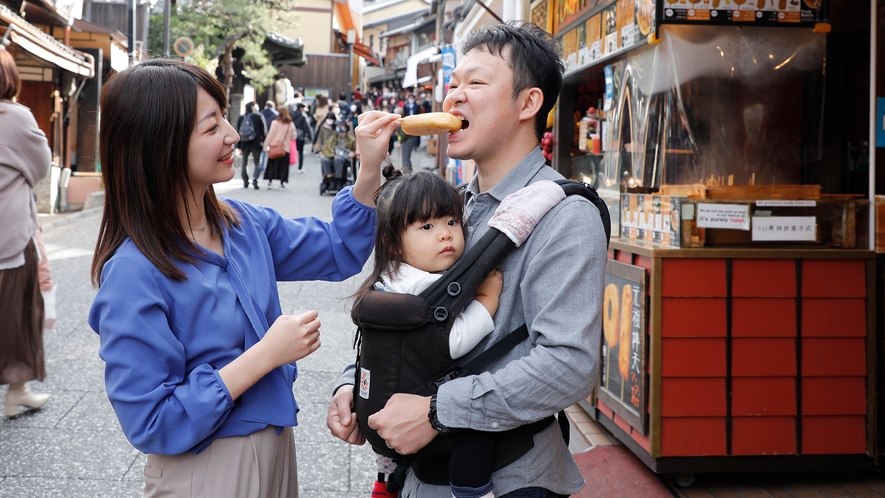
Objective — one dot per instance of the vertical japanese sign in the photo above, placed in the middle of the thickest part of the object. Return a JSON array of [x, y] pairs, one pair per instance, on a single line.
[[623, 384]]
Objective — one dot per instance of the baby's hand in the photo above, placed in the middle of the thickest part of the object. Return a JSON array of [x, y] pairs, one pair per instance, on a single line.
[[489, 291], [292, 337], [492, 285]]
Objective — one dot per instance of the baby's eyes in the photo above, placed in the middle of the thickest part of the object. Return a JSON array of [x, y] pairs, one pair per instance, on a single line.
[[453, 223]]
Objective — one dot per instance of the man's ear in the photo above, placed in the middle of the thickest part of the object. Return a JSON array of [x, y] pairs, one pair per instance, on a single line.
[[530, 101]]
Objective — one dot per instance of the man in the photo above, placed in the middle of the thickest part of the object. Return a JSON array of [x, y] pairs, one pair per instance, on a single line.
[[303, 132], [253, 130], [504, 86], [408, 142], [269, 113]]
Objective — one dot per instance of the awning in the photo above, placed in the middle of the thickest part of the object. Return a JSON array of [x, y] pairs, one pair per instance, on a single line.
[[365, 52], [408, 28], [44, 47], [361, 49], [427, 55]]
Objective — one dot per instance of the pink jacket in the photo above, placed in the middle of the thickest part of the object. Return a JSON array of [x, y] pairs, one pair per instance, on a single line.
[[280, 132]]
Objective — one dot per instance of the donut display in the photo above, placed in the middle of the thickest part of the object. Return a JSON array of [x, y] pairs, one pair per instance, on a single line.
[[610, 315]]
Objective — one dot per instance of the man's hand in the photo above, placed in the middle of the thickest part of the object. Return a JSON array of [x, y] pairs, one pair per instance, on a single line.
[[341, 420], [403, 423]]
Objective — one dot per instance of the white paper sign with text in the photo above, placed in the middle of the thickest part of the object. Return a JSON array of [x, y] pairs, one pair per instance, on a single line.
[[785, 228], [729, 216]]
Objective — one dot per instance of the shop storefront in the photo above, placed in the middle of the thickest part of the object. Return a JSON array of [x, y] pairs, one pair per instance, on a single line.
[[739, 316]]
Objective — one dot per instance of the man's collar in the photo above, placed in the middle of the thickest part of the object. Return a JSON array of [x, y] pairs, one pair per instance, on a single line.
[[515, 179]]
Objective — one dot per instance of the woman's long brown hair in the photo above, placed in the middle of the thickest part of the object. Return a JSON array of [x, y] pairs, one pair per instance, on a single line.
[[148, 113]]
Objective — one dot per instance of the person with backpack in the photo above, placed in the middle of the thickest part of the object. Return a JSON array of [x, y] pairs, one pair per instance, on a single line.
[[504, 86], [252, 130]]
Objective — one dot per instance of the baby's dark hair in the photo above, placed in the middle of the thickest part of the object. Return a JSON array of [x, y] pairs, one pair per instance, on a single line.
[[401, 201]]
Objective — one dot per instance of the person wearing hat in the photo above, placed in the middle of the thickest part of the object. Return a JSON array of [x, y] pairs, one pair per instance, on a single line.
[[338, 151]]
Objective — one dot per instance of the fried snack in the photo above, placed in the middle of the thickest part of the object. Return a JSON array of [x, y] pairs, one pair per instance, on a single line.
[[431, 123], [626, 331], [610, 315]]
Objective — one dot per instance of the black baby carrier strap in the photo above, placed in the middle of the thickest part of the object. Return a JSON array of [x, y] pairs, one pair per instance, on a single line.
[[402, 346]]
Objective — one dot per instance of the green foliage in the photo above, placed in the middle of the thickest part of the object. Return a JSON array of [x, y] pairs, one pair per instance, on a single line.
[[218, 26]]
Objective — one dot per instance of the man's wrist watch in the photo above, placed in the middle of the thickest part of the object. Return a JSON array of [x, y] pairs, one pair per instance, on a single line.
[[434, 420]]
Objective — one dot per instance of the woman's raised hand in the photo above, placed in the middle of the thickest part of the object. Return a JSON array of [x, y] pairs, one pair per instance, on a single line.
[[372, 136]]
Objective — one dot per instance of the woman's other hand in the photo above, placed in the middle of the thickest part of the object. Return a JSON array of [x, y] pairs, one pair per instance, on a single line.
[[292, 337]]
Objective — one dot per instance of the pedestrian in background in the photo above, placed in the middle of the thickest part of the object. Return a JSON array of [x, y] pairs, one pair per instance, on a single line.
[[199, 359], [302, 133], [25, 158], [409, 142], [281, 134], [269, 113], [252, 130]]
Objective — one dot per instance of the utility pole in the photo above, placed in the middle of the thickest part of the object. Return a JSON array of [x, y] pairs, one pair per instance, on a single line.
[[167, 8], [130, 36]]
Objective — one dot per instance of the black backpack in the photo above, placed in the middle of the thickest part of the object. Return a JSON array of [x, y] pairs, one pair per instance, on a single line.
[[247, 128]]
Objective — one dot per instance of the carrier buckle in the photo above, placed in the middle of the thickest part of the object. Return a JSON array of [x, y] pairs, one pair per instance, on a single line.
[[440, 314], [454, 289], [449, 376]]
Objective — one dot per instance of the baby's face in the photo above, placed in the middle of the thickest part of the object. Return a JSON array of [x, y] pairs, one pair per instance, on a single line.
[[433, 245]]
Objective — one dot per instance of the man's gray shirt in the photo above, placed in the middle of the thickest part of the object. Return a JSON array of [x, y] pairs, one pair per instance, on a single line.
[[554, 284]]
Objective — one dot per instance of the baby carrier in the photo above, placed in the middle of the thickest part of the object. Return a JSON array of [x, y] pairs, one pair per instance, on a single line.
[[390, 359]]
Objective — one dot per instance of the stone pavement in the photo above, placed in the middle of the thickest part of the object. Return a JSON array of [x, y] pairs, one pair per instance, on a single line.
[[74, 447]]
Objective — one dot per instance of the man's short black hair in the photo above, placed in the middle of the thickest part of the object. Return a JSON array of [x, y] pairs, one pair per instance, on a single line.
[[250, 106], [533, 57]]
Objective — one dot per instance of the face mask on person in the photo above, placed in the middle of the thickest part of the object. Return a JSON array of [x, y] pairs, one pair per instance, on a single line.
[[330, 122], [341, 129], [411, 100], [353, 108]]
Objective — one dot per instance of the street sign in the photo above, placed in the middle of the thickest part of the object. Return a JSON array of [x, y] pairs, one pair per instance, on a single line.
[[183, 46]]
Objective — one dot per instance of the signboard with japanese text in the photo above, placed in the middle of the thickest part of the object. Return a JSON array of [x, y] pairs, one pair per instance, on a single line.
[[758, 12], [618, 27], [785, 228], [623, 385]]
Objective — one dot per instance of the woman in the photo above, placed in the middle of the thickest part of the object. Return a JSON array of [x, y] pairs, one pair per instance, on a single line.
[[282, 133], [199, 359], [24, 160], [324, 131]]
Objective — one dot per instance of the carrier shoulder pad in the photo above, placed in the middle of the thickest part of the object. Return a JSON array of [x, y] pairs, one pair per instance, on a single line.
[[390, 311]]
